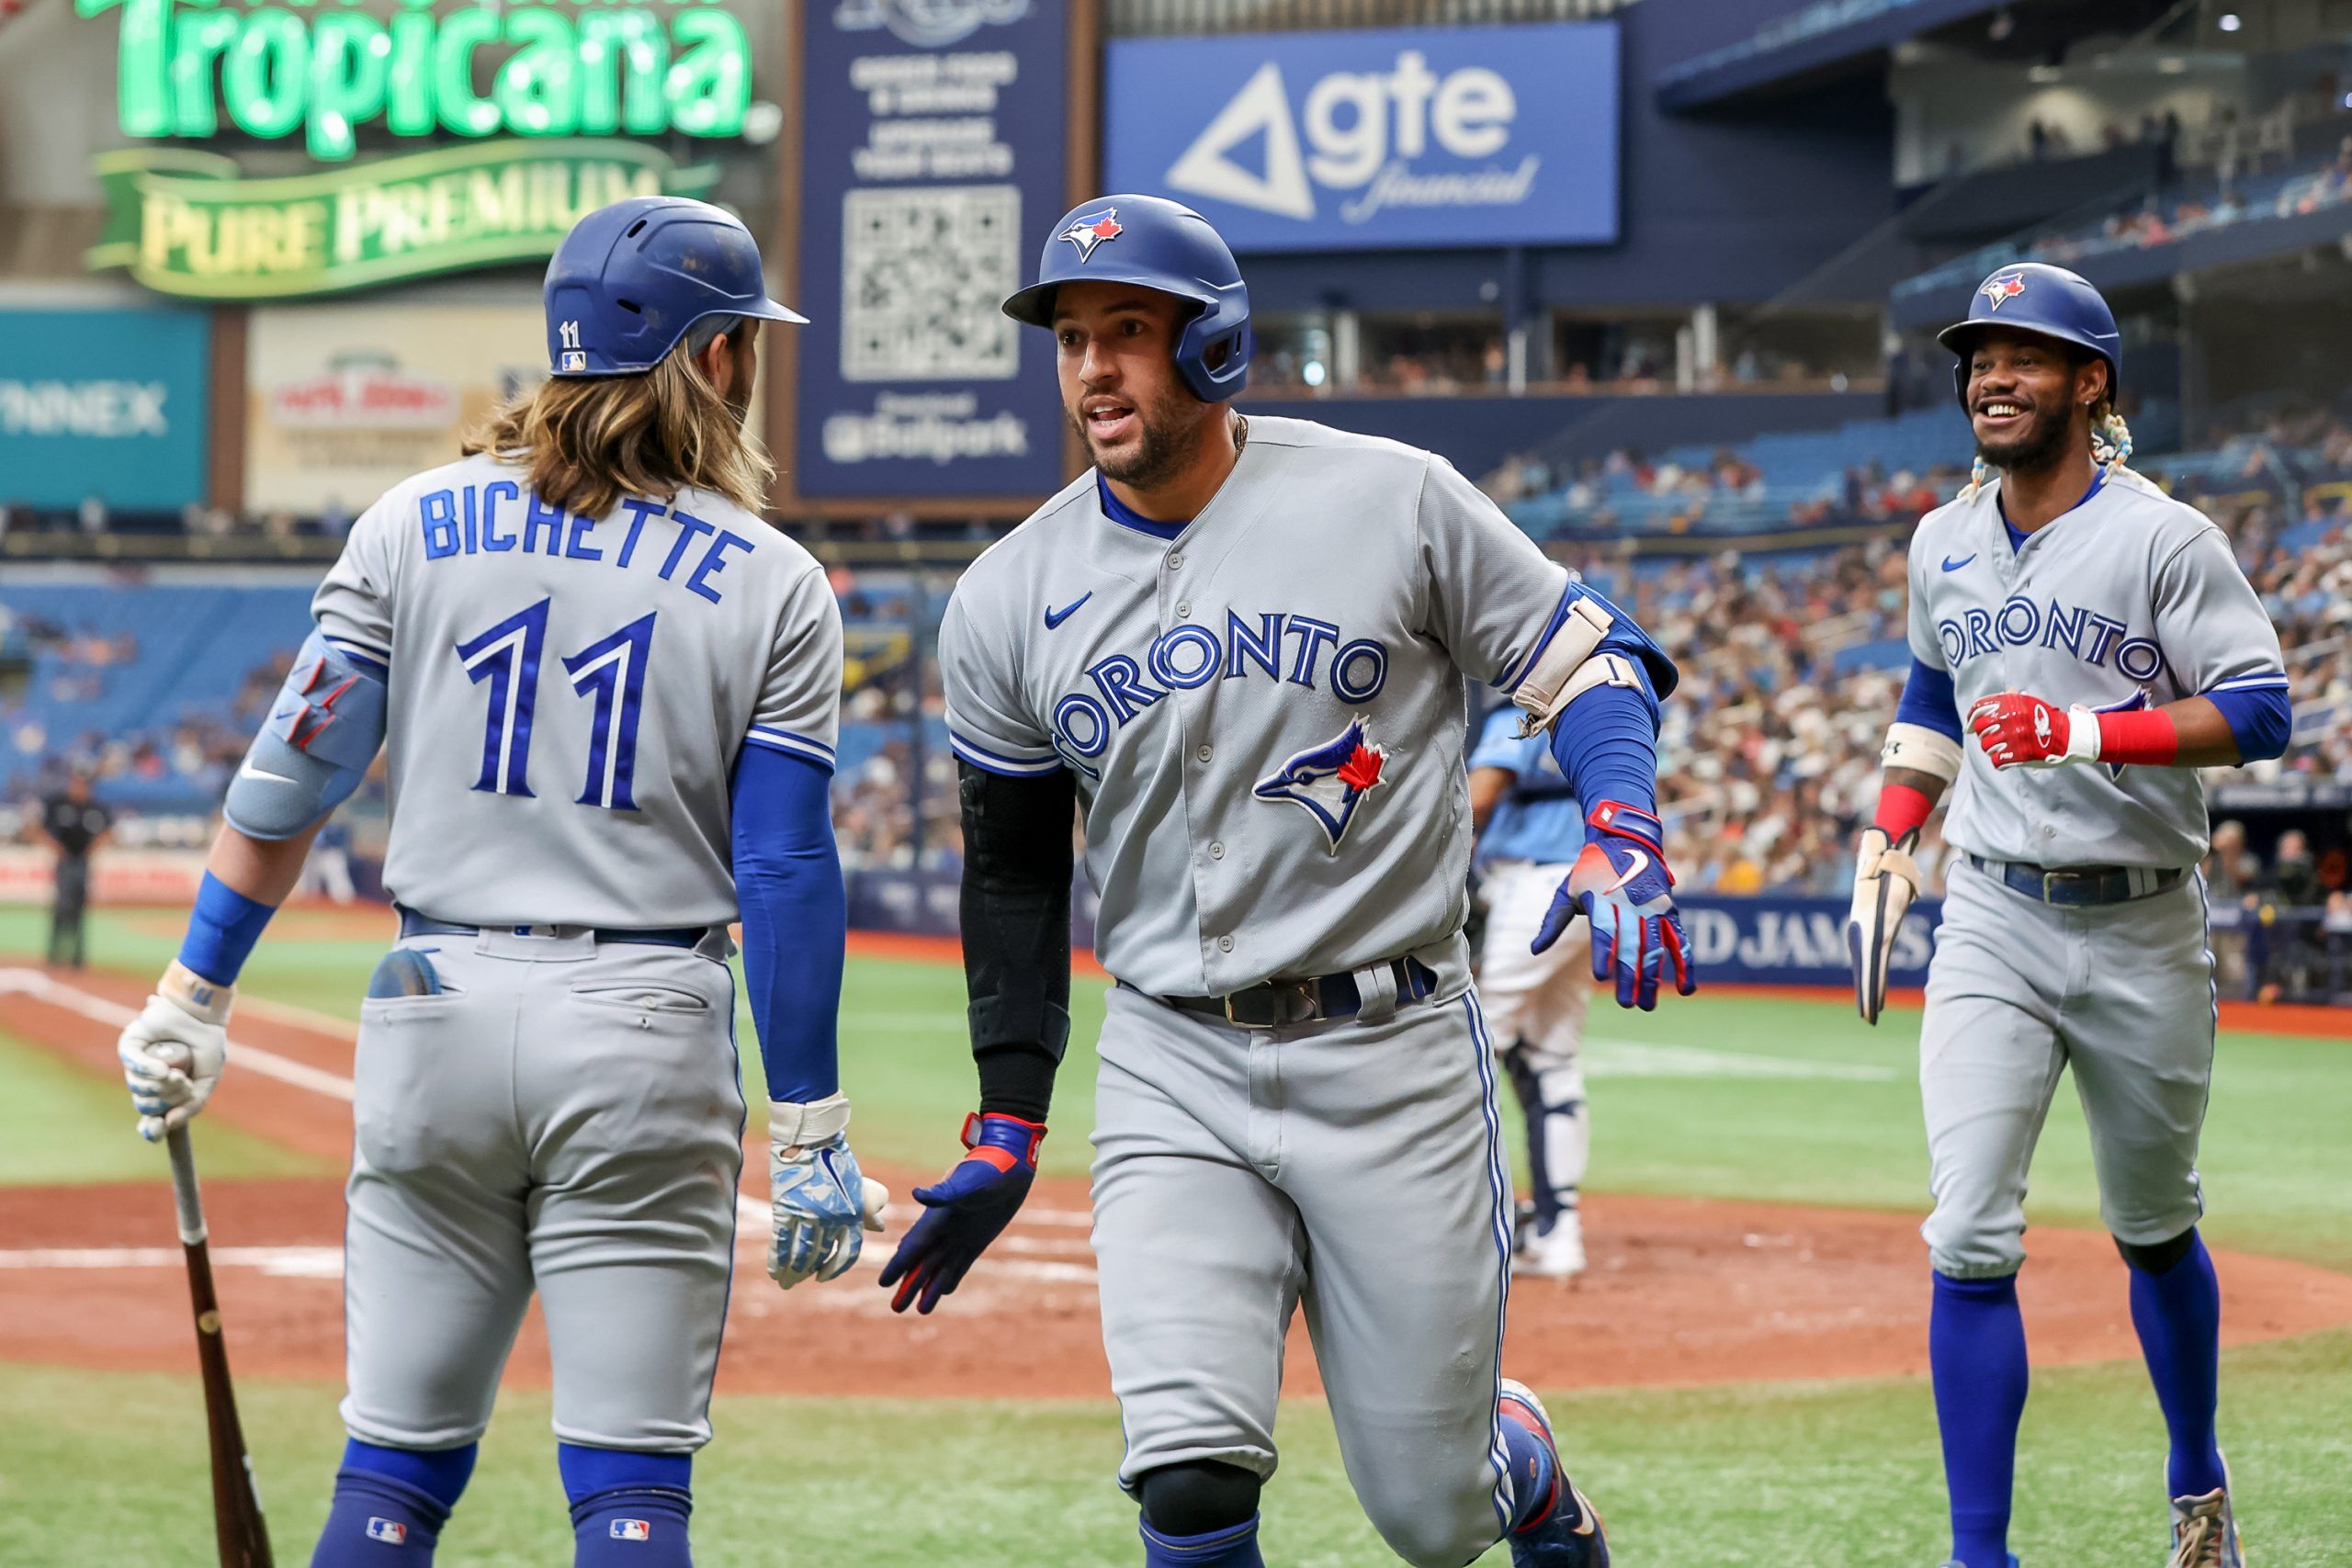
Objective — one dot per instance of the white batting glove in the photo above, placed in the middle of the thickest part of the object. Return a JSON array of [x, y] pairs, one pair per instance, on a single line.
[[821, 1203], [1885, 881], [172, 1053]]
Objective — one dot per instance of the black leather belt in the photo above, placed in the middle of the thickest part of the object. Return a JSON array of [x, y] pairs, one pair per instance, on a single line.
[[414, 924], [1276, 1003], [2081, 884]]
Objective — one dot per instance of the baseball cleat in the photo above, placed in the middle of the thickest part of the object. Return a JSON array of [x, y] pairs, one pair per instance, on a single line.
[[1956, 1563], [1554, 1254], [2205, 1532], [1568, 1533]]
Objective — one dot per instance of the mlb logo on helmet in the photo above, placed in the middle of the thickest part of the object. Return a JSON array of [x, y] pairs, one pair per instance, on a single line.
[[1091, 231], [2001, 290], [632, 1529], [574, 360], [392, 1532]]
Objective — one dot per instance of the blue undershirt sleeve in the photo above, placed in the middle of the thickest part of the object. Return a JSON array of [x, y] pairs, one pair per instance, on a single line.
[[795, 919], [1928, 700], [1606, 743], [2262, 718]]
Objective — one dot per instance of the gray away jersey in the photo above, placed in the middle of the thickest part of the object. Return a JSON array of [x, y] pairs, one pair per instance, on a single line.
[[2131, 599], [569, 695], [1265, 713]]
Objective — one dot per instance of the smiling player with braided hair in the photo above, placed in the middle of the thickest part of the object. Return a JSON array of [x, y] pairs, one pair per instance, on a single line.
[[2102, 645]]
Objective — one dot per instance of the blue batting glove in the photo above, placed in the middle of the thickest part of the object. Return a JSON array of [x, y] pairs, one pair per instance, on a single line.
[[1622, 885], [966, 1209]]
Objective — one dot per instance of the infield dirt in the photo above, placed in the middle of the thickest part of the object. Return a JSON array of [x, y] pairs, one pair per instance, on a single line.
[[1680, 1292]]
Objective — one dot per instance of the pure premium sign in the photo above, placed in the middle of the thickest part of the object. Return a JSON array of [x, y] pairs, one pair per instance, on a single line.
[[184, 223], [323, 70]]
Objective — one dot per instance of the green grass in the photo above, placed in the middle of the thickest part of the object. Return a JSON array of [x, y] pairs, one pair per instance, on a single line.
[[59, 1123], [1703, 1098], [1841, 1475]]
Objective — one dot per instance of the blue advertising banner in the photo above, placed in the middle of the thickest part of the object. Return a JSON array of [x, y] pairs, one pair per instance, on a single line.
[[1771, 941], [934, 162], [1761, 940], [109, 403], [1391, 139]]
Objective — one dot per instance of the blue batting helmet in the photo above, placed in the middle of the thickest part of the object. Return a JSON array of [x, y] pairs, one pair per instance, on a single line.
[[2033, 297], [632, 278], [1159, 244]]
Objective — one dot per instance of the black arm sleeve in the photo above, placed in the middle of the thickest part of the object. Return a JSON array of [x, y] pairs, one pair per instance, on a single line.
[[1016, 933]]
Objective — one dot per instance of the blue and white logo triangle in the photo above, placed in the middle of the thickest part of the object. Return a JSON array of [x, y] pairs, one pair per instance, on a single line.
[[1261, 105]]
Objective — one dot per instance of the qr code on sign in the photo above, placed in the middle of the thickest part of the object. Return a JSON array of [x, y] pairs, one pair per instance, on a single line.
[[923, 273]]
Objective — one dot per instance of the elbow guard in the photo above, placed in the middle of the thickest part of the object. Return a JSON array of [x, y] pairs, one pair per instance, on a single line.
[[323, 731], [1573, 662], [1921, 750]]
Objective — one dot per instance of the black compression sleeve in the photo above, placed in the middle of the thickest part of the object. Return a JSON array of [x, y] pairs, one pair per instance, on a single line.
[[1016, 933]]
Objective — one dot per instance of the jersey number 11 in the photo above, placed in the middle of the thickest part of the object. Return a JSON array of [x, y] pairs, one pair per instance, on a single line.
[[610, 670]]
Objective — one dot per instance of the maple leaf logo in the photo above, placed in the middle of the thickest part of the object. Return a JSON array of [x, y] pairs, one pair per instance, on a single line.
[[1361, 770], [2001, 290], [1093, 230]]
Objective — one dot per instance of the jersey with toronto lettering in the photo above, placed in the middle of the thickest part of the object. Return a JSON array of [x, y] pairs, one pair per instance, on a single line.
[[568, 693], [2131, 600], [1265, 713]]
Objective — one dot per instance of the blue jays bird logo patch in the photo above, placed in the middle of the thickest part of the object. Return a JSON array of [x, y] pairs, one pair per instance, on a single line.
[[2001, 290], [1328, 782], [1092, 229]]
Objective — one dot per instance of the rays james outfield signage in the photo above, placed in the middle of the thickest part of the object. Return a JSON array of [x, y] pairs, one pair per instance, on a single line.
[[184, 223]]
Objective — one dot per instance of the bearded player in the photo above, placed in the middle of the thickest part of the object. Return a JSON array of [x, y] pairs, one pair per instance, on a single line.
[[1240, 649], [610, 693], [2080, 644]]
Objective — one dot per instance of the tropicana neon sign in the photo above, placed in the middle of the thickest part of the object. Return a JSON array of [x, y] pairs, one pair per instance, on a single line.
[[613, 69]]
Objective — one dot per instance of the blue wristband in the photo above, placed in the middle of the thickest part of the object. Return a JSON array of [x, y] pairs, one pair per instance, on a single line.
[[221, 931]]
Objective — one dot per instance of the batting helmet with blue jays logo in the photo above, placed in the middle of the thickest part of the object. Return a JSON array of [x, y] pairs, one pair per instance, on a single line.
[[631, 279], [2034, 296], [1159, 244]]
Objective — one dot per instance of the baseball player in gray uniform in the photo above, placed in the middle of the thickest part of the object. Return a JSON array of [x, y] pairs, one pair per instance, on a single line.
[[2080, 644], [610, 693], [1241, 649], [1530, 833]]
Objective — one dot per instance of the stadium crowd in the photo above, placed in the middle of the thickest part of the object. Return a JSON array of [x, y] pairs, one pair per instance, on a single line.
[[1792, 665]]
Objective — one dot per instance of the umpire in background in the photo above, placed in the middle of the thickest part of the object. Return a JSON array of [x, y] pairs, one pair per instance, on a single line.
[[73, 821]]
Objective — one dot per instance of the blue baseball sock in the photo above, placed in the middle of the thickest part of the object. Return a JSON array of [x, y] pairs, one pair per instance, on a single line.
[[1235, 1546], [2178, 1314], [390, 1505], [1976, 1353], [628, 1509], [1534, 1475]]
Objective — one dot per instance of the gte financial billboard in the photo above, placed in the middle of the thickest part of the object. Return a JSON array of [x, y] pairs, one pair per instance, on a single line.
[[1376, 140], [568, 82]]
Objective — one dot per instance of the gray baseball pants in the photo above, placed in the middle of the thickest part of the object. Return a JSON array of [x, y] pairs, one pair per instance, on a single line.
[[2018, 991], [564, 1116], [1353, 1168]]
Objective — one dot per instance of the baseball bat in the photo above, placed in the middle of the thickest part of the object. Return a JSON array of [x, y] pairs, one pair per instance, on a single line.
[[242, 1534]]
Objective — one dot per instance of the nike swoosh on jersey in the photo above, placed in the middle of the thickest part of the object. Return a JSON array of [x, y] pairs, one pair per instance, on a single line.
[[1056, 617], [1951, 565], [247, 771]]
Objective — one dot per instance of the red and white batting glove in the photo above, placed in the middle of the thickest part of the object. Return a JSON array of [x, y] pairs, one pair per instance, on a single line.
[[2018, 730]]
